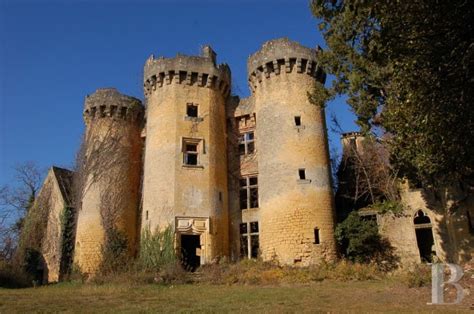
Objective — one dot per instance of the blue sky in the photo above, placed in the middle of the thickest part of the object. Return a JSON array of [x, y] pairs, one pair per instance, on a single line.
[[54, 53]]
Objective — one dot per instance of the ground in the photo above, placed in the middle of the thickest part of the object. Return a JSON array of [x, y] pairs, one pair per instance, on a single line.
[[381, 295]]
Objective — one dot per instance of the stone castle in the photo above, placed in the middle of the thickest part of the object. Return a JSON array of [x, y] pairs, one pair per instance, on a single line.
[[232, 177]]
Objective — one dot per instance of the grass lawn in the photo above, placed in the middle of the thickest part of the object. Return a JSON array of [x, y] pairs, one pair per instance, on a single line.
[[315, 297]]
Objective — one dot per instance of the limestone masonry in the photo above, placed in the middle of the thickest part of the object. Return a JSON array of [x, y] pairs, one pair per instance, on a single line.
[[232, 177]]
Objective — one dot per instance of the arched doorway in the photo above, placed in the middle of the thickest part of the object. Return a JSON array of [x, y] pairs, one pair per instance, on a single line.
[[424, 236]]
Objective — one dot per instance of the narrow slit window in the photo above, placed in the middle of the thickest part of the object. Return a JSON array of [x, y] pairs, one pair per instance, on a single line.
[[302, 174], [317, 239], [146, 215], [192, 110], [297, 120]]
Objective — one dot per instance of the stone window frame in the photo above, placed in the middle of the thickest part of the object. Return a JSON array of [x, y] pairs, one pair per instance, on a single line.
[[246, 142], [197, 118], [248, 234], [249, 187], [199, 142]]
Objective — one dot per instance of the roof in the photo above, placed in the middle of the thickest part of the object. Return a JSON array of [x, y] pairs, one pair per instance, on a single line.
[[64, 179]]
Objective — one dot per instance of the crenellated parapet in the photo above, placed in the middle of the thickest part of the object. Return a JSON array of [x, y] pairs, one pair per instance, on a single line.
[[283, 56], [109, 103], [200, 71]]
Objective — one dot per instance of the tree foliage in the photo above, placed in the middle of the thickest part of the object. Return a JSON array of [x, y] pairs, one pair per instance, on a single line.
[[407, 66]]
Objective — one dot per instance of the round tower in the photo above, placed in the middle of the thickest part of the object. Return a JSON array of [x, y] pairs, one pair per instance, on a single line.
[[295, 194], [185, 165], [109, 177]]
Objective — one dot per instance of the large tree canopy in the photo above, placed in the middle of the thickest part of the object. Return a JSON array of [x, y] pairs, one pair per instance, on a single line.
[[407, 66]]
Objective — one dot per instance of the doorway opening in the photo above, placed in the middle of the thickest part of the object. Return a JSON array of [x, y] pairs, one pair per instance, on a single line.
[[424, 237], [190, 251]]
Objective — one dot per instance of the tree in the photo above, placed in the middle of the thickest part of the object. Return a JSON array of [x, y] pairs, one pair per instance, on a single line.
[[407, 67], [15, 202]]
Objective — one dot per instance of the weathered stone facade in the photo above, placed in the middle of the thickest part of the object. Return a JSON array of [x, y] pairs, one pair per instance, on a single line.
[[422, 232], [232, 177]]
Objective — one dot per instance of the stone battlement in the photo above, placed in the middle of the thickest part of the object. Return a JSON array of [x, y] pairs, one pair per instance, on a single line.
[[282, 55], [108, 102], [201, 71]]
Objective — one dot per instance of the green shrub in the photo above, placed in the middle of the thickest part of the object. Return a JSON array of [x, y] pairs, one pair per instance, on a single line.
[[416, 276], [360, 242], [157, 249]]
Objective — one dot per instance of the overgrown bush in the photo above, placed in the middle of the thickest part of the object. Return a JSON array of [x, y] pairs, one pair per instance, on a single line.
[[253, 272], [157, 249], [115, 257], [360, 241], [418, 275]]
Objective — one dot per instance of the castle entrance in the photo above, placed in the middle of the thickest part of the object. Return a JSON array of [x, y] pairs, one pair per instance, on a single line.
[[190, 251], [424, 237]]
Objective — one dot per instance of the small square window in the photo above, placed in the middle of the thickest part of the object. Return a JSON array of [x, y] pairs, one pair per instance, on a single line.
[[302, 174], [192, 111], [297, 120]]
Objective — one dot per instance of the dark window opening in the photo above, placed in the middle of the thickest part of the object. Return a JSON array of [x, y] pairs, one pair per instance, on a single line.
[[249, 240], [243, 228], [248, 193], [469, 221], [146, 215], [192, 111], [421, 218], [254, 246], [302, 174], [298, 121], [123, 112], [190, 154], [254, 226], [244, 246], [102, 111], [317, 240]]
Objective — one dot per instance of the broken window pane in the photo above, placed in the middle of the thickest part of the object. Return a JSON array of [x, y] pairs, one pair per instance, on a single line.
[[192, 111], [250, 148], [241, 149], [243, 199], [243, 228], [244, 246], [254, 242], [253, 197], [254, 227], [253, 180]]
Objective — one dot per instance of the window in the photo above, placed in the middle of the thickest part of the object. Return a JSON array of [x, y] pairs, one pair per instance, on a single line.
[[317, 240], [297, 120], [302, 174], [191, 152], [146, 215], [192, 110], [249, 241], [248, 192], [247, 143]]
